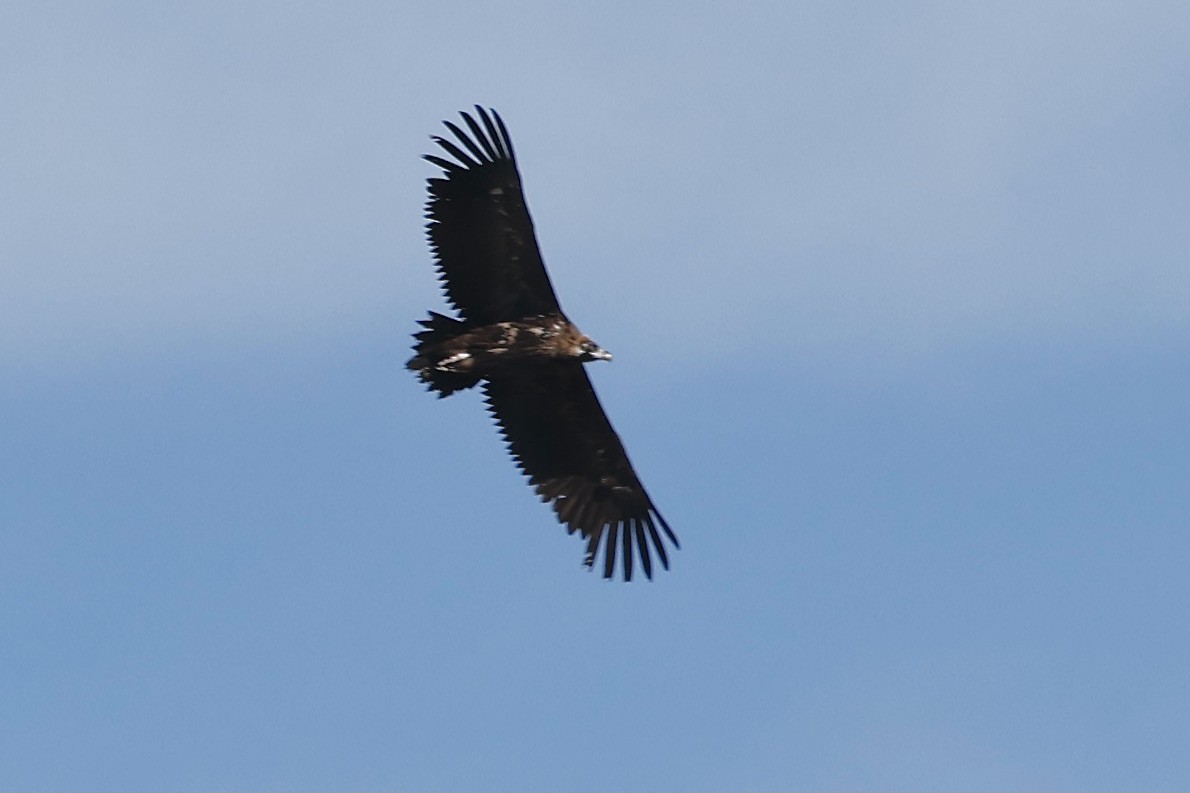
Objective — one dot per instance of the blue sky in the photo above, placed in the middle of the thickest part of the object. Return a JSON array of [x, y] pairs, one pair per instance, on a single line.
[[897, 294]]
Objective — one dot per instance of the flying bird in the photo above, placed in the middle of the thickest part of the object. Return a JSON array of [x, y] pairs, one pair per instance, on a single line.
[[512, 335]]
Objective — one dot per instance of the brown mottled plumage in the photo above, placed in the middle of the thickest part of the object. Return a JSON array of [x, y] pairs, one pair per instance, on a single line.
[[512, 335]]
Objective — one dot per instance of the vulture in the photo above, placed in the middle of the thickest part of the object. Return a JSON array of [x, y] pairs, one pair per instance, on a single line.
[[511, 335]]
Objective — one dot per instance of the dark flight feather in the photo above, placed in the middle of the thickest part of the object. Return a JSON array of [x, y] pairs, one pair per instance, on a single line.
[[512, 336], [561, 439], [480, 230]]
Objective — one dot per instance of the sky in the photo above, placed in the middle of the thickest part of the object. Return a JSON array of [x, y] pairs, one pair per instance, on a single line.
[[898, 300]]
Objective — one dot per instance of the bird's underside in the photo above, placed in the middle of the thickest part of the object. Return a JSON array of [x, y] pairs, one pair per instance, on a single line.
[[512, 336], [451, 355]]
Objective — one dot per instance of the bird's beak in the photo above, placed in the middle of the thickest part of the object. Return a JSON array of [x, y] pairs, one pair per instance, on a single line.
[[601, 355]]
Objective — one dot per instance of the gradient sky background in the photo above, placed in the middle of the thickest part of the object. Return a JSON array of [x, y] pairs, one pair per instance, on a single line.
[[900, 301]]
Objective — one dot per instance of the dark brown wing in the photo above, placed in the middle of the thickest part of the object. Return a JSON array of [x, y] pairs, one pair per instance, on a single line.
[[561, 438], [479, 227]]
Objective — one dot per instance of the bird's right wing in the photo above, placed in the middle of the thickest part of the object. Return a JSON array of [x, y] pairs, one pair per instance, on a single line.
[[480, 230]]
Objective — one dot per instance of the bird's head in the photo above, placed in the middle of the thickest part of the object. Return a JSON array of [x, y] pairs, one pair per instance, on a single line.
[[587, 350]]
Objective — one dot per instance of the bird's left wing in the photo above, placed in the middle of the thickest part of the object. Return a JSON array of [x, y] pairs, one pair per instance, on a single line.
[[562, 440]]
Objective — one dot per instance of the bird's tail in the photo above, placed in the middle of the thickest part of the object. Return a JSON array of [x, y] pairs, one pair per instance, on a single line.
[[438, 329]]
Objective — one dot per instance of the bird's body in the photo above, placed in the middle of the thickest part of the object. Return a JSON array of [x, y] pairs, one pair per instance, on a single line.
[[513, 337], [451, 349]]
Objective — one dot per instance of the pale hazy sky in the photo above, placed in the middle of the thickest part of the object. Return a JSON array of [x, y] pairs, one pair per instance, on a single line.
[[898, 296]]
